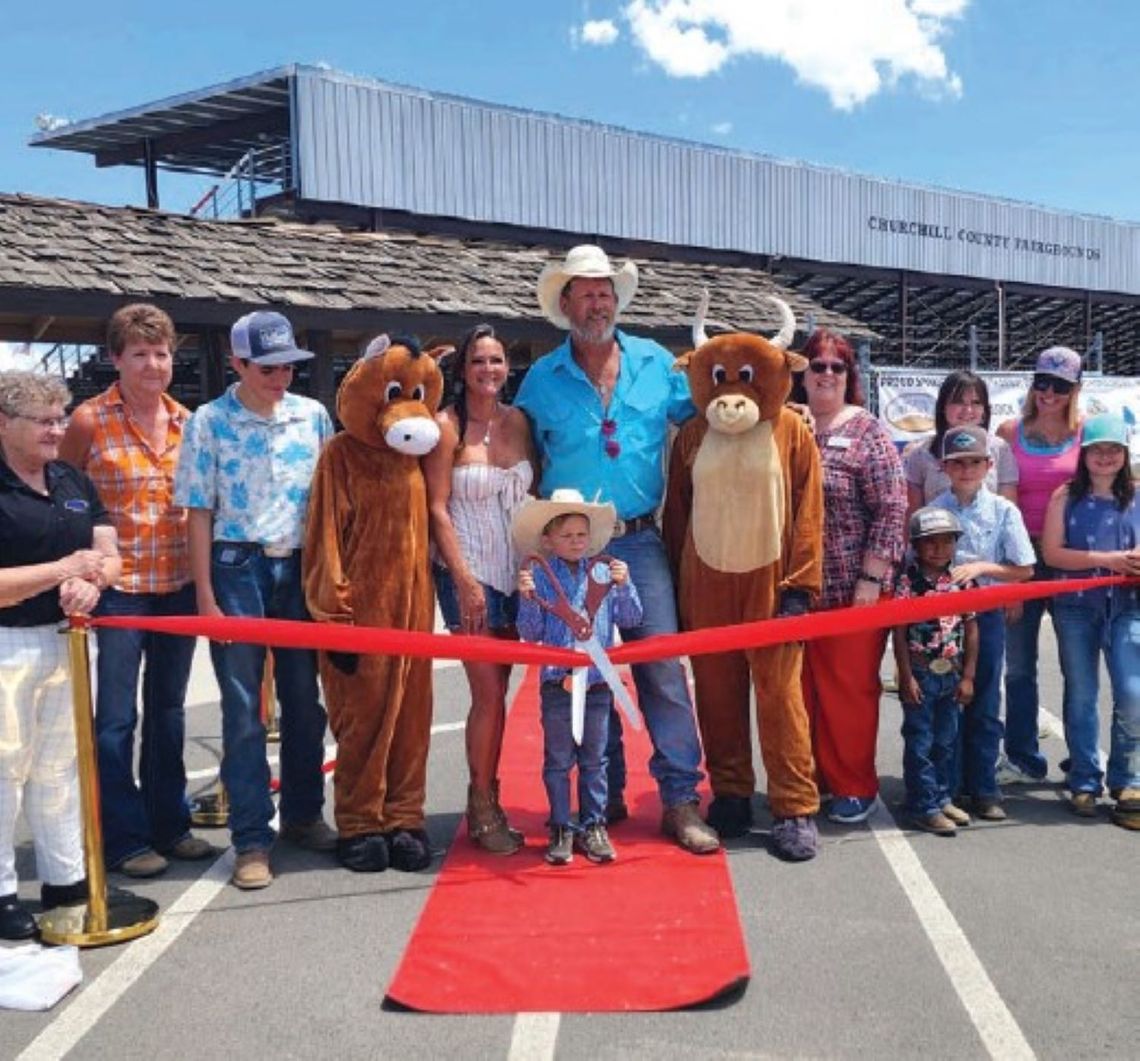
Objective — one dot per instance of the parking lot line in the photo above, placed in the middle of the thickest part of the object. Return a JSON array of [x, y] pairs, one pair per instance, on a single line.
[[533, 1037], [999, 1031]]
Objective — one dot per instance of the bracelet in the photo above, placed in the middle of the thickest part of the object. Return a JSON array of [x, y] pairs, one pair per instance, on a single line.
[[864, 577]]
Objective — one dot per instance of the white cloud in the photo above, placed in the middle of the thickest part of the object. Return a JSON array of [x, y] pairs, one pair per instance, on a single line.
[[599, 31], [851, 49], [722, 128]]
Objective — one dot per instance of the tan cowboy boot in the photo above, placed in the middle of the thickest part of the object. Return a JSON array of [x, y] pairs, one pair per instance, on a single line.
[[485, 827], [502, 814]]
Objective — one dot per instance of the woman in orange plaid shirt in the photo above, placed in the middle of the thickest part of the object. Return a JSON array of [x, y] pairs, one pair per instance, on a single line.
[[128, 439]]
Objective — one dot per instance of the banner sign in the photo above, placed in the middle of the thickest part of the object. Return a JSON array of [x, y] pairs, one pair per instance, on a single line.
[[906, 400]]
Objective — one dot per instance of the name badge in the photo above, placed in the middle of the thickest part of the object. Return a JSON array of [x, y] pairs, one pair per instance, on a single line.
[[76, 504], [839, 442]]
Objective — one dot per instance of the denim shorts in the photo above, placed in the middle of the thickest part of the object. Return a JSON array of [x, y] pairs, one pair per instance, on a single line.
[[502, 608]]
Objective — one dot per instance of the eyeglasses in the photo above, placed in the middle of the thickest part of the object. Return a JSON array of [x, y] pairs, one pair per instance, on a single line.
[[1054, 383], [44, 423], [609, 429], [836, 368]]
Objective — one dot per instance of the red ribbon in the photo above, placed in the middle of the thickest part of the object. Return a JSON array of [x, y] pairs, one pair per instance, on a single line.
[[337, 637]]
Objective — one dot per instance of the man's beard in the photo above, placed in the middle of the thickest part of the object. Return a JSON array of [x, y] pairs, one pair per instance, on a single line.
[[593, 333]]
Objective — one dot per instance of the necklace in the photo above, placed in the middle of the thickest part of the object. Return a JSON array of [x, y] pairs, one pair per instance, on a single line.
[[486, 441]]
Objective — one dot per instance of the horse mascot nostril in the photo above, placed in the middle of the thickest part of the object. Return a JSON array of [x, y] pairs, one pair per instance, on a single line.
[[366, 564], [742, 524]]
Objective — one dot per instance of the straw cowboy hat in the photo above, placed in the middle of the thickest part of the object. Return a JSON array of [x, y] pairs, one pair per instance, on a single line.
[[589, 262], [535, 514]]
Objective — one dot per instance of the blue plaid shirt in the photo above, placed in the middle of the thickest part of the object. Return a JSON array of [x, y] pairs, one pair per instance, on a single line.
[[992, 530], [621, 607]]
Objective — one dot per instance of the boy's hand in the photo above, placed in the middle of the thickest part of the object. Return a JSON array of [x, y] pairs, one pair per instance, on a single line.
[[619, 572], [964, 694], [965, 572], [909, 692], [526, 583]]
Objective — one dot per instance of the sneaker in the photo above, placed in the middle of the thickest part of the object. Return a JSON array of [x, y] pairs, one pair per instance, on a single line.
[[312, 836], [616, 811], [850, 810], [989, 810], [192, 849], [683, 823], [937, 823], [795, 839], [560, 850], [251, 870], [1009, 773], [594, 843], [956, 814], [1083, 804], [147, 863]]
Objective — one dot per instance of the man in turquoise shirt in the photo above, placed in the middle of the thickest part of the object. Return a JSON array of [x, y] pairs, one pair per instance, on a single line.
[[600, 407]]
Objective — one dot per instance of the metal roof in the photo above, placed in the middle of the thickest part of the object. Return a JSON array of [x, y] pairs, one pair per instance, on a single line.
[[205, 131]]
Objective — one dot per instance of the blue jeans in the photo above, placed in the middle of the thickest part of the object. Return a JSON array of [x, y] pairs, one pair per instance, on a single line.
[[560, 753], [981, 727], [662, 688], [248, 583], [1021, 696], [153, 813], [1083, 634], [930, 731]]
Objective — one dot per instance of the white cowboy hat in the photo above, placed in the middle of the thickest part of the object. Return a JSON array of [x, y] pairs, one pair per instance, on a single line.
[[585, 261], [534, 514]]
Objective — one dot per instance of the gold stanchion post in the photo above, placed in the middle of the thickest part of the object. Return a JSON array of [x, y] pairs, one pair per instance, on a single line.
[[104, 918]]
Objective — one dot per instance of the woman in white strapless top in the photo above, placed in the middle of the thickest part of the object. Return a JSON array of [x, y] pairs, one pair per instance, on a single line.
[[480, 472]]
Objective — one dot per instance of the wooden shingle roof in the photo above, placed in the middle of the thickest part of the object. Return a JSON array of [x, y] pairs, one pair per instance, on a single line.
[[65, 266]]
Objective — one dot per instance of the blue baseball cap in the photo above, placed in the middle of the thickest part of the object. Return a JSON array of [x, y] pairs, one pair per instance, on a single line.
[[965, 442], [1107, 427], [266, 338]]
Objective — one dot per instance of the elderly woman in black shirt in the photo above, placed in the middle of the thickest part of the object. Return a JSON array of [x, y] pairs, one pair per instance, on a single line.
[[57, 552]]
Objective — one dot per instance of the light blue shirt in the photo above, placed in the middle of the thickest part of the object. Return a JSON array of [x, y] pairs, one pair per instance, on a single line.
[[566, 417], [992, 530], [252, 472]]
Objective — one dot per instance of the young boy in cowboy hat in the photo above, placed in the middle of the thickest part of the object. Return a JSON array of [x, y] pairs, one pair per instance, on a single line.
[[568, 533]]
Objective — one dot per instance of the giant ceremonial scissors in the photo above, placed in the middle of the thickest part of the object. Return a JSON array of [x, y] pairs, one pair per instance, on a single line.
[[581, 624]]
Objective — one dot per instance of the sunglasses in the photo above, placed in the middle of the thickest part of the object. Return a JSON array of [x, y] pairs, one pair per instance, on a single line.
[[1053, 383], [836, 368], [609, 429]]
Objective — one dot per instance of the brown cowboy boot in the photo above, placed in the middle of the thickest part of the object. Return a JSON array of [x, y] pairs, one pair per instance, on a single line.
[[485, 827], [502, 814]]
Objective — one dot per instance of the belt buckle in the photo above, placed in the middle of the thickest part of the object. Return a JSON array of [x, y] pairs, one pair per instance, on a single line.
[[941, 667], [277, 552]]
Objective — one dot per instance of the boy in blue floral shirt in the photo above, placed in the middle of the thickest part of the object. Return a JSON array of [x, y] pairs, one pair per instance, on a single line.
[[568, 533], [937, 659]]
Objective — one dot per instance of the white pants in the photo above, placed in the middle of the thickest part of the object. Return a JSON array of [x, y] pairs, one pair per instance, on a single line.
[[37, 755]]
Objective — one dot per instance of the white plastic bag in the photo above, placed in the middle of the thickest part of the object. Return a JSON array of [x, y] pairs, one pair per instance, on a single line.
[[35, 977]]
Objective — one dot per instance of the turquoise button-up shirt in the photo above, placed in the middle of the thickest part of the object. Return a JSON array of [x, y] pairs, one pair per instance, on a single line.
[[566, 418]]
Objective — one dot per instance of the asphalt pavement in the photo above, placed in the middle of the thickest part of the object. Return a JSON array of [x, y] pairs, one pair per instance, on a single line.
[[1017, 939]]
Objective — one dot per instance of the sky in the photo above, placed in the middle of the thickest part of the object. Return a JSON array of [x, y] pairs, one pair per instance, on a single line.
[[1034, 100]]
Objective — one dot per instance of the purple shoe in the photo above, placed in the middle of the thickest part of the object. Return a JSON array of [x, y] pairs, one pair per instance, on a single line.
[[795, 839]]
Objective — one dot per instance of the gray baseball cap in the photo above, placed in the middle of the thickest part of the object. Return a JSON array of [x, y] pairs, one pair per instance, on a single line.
[[926, 522]]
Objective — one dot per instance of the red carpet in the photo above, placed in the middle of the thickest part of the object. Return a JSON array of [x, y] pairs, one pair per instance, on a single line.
[[658, 929]]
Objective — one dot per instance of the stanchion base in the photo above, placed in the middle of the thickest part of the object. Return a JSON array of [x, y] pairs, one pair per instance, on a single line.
[[211, 811], [128, 917]]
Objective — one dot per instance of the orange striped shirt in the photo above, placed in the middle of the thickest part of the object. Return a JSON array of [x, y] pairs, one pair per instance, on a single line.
[[136, 483]]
